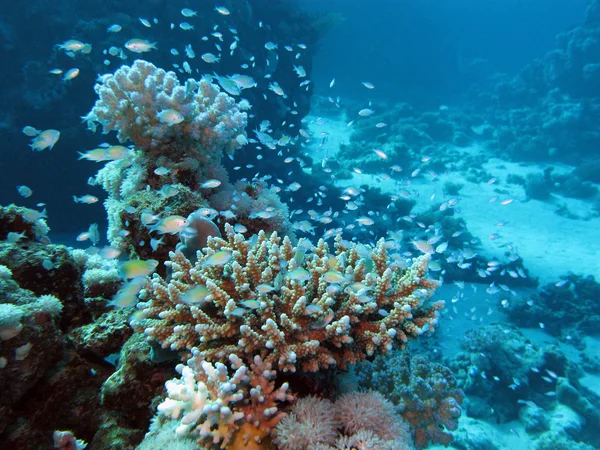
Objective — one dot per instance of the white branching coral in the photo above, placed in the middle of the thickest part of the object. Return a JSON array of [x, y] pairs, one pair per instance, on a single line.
[[297, 308], [214, 406], [148, 106]]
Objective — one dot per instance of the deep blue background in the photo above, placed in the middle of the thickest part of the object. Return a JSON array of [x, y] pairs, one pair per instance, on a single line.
[[421, 50]]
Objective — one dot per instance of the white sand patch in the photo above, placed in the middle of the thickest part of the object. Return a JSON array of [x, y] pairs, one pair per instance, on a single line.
[[592, 381], [550, 245], [472, 309], [510, 435], [327, 135]]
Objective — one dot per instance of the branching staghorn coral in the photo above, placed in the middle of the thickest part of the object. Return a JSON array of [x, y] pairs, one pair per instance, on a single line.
[[295, 307]]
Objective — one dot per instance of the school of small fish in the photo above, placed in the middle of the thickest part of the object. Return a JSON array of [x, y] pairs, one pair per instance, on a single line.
[[408, 237]]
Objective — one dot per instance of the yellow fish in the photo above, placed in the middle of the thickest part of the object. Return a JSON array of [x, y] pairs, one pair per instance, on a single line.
[[423, 247], [71, 73], [97, 155], [195, 295], [219, 258], [299, 274], [334, 277], [170, 224], [45, 140], [170, 117], [137, 268], [128, 294], [71, 45]]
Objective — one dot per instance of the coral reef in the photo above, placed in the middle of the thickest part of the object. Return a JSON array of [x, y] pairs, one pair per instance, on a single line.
[[426, 394], [540, 185], [31, 343], [200, 123], [566, 308], [138, 378], [52, 354], [179, 134], [295, 307], [132, 100], [498, 366], [549, 110], [272, 311], [23, 223]]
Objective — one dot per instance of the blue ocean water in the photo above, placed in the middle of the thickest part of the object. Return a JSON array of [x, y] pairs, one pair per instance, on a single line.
[[462, 133]]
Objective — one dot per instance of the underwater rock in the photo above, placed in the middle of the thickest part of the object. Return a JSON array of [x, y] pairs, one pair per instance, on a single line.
[[500, 366], [559, 440], [112, 434], [48, 269], [567, 394], [31, 343], [104, 336], [19, 223], [569, 306], [549, 110], [475, 435], [534, 419], [137, 380]]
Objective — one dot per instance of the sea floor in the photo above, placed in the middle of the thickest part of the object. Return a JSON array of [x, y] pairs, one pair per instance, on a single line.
[[549, 244]]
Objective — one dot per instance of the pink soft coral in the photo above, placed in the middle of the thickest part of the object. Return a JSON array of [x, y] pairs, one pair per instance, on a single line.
[[369, 411], [312, 422], [362, 420]]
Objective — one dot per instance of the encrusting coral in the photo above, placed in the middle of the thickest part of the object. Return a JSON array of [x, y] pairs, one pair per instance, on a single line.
[[425, 393], [244, 311], [294, 307]]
